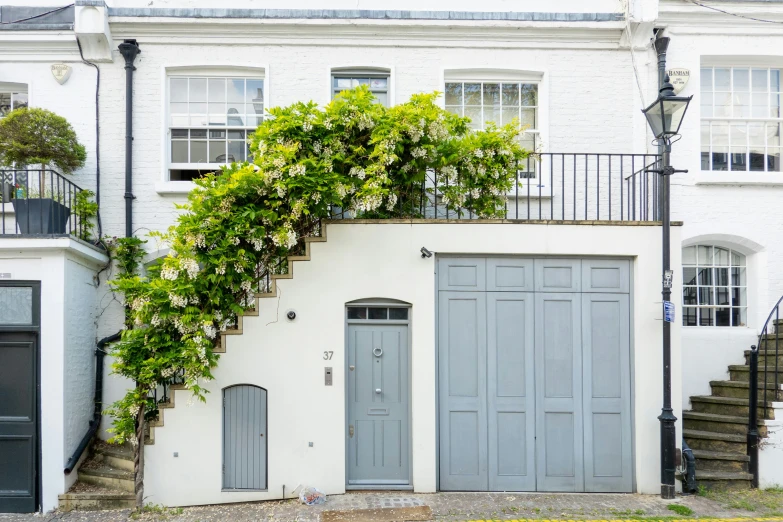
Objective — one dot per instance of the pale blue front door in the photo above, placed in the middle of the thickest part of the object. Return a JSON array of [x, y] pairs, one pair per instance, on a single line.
[[377, 405]]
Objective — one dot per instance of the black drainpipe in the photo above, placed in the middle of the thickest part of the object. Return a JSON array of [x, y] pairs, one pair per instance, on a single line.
[[95, 423], [129, 49]]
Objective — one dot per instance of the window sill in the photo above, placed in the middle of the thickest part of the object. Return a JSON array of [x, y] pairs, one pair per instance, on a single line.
[[738, 178], [174, 187]]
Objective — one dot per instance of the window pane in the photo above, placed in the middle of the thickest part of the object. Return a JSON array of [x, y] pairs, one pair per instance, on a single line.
[[400, 314], [179, 134], [741, 80], [720, 158], [705, 255], [706, 105], [774, 80], [773, 160], [179, 90], [705, 296], [723, 317], [217, 90], [474, 113], [234, 116], [255, 93], [378, 313], [756, 158], [774, 105], [689, 255], [217, 151], [773, 135], [198, 90], [706, 317], [236, 90], [19, 100], [722, 295], [737, 259], [491, 114], [689, 295], [722, 276], [236, 151], [759, 107], [217, 113], [741, 105], [379, 83], [739, 316], [357, 313], [198, 133], [689, 275], [179, 151], [705, 276], [759, 80], [529, 94], [455, 109], [16, 305], [528, 118], [382, 98], [689, 316], [706, 80], [508, 115], [705, 145], [722, 104], [491, 94], [472, 92], [198, 152], [722, 79], [511, 94], [739, 297], [721, 257], [720, 134], [453, 94]]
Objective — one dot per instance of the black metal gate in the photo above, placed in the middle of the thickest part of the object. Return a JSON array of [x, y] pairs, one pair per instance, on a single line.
[[20, 385]]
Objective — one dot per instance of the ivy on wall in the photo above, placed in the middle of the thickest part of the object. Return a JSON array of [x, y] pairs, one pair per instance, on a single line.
[[239, 225]]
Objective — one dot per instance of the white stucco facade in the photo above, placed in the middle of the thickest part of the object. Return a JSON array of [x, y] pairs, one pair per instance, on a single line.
[[381, 261], [67, 270]]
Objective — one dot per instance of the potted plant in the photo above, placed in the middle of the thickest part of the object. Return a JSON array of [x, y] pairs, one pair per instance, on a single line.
[[32, 136]]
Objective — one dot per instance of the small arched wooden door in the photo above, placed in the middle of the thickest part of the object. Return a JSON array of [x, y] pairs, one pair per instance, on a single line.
[[244, 438]]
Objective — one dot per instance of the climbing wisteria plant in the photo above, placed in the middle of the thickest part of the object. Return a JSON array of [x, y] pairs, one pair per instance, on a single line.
[[239, 225]]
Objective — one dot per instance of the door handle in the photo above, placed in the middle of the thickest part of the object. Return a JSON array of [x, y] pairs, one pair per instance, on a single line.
[[377, 390], [262, 434], [350, 430]]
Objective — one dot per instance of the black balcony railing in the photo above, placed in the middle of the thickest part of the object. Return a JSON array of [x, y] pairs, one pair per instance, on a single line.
[[550, 186], [37, 202]]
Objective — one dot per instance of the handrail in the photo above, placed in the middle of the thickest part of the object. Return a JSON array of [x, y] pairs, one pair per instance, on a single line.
[[753, 406], [38, 201]]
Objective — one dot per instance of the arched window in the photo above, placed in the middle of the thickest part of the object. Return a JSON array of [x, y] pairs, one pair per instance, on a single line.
[[714, 291]]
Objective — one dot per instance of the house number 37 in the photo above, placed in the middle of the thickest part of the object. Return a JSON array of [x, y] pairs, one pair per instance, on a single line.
[[328, 355]]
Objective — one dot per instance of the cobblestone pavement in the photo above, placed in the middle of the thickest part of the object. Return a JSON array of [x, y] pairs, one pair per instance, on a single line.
[[445, 507]]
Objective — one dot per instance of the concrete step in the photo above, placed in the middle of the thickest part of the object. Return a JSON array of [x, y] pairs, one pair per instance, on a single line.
[[741, 389], [107, 477], [728, 406], [117, 457], [700, 421], [741, 372], [713, 441], [95, 500], [718, 461], [723, 479]]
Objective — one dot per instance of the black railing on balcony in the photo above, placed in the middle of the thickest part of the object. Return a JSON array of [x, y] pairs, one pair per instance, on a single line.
[[37, 202], [550, 186]]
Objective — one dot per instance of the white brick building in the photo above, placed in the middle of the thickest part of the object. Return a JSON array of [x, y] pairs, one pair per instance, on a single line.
[[582, 72]]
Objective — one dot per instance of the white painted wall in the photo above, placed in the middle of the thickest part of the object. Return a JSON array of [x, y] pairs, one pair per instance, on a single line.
[[52, 261], [771, 451], [382, 261]]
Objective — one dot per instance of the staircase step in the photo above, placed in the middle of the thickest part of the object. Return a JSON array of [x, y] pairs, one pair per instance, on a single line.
[[741, 372], [741, 389], [700, 421], [714, 441], [718, 461], [728, 406], [723, 479], [97, 500], [118, 457], [107, 477]]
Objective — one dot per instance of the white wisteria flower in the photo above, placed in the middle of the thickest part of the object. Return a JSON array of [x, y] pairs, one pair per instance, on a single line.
[[178, 301], [169, 273], [191, 267]]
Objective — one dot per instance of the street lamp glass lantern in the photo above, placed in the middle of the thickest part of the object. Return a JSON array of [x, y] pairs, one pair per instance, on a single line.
[[666, 113]]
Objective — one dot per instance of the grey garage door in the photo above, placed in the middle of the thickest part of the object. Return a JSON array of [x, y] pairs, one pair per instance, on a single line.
[[534, 374]]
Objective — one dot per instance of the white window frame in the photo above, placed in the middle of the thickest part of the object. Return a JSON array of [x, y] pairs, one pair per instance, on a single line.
[[538, 77], [362, 70], [734, 120], [713, 286], [15, 88], [260, 71]]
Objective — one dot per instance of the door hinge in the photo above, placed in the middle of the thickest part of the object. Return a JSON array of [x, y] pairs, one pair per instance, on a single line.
[[350, 430]]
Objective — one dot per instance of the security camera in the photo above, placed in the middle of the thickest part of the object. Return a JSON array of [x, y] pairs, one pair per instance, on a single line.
[[291, 315], [425, 253]]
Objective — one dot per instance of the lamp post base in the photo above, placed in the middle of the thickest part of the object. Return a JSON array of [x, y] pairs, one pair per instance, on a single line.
[[668, 449], [667, 492]]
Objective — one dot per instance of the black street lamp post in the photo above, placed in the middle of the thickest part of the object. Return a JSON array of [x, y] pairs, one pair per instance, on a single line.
[[665, 116]]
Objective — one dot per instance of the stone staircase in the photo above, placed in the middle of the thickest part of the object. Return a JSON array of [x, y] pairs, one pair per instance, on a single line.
[[272, 293], [716, 426], [105, 480]]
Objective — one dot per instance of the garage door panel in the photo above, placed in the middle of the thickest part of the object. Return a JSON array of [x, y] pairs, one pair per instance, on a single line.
[[463, 383], [462, 274], [511, 391], [607, 390], [558, 275], [606, 275], [507, 274], [559, 423]]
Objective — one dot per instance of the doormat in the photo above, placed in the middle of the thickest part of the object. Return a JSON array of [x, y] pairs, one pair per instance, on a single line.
[[395, 514]]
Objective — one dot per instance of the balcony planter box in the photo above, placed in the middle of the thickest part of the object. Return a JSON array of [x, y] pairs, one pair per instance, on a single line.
[[41, 216]]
